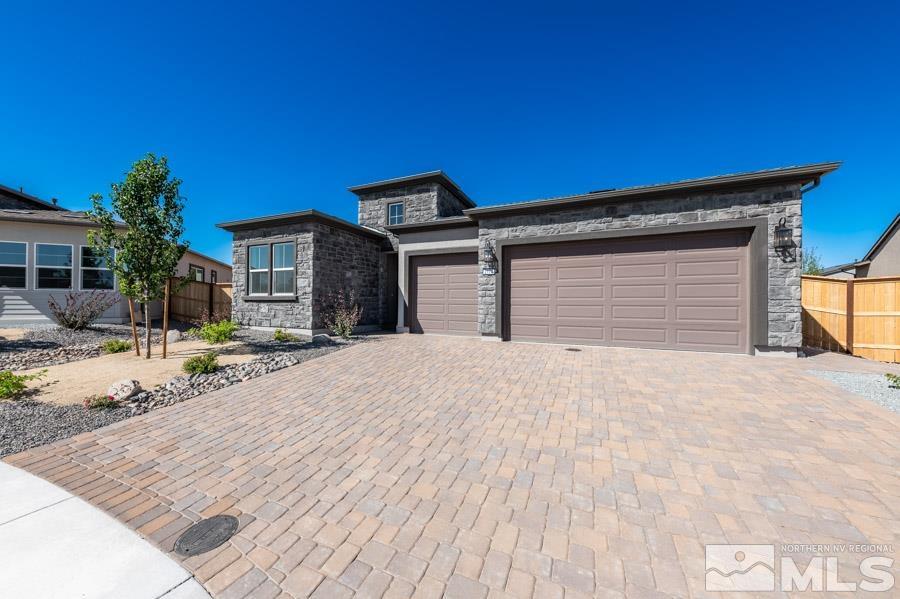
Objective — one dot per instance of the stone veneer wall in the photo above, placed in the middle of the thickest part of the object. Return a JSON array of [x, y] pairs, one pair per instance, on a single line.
[[344, 261], [772, 202], [448, 204], [419, 205], [287, 313]]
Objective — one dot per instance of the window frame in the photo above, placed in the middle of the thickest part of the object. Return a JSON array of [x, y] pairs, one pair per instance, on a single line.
[[25, 266], [213, 276], [202, 270], [37, 280], [81, 268], [402, 213], [270, 270]]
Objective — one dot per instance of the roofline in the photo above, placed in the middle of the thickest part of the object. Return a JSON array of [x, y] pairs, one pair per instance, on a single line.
[[843, 267], [75, 222], [289, 218], [453, 222], [884, 237], [30, 198], [205, 257], [804, 174], [429, 177]]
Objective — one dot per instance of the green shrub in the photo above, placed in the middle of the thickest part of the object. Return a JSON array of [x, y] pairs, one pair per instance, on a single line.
[[99, 402], [284, 336], [893, 380], [116, 346], [203, 364], [216, 332], [13, 385]]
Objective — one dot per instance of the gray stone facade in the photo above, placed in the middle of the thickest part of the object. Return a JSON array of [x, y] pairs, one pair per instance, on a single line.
[[327, 259], [771, 202], [421, 203]]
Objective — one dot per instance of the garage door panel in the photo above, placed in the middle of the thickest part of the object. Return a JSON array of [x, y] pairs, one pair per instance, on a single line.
[[676, 291], [444, 294]]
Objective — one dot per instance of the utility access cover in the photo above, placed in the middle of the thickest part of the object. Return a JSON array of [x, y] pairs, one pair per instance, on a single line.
[[206, 535]]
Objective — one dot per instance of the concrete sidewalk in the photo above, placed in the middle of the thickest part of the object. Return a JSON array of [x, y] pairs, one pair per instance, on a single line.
[[54, 545]]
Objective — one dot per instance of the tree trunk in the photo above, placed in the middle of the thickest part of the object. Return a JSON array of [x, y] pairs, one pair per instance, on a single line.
[[149, 328], [134, 334]]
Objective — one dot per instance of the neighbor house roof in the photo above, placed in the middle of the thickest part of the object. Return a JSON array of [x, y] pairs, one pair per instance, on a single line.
[[290, 218], [884, 237], [842, 268], [792, 174], [205, 257], [37, 202], [421, 178], [53, 217]]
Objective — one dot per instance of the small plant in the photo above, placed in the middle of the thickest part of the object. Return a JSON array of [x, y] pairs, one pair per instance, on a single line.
[[116, 346], [342, 313], [13, 385], [893, 380], [284, 336], [203, 364], [81, 308], [215, 332], [99, 402], [207, 317]]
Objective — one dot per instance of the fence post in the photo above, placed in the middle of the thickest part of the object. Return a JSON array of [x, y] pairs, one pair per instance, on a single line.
[[850, 316], [211, 299]]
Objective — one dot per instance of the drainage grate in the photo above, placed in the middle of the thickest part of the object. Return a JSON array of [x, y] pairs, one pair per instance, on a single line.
[[572, 349], [206, 535]]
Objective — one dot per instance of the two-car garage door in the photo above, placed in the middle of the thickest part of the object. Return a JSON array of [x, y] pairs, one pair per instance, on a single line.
[[669, 292]]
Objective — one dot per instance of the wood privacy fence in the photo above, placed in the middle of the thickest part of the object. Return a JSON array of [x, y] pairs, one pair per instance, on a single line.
[[196, 300], [858, 316]]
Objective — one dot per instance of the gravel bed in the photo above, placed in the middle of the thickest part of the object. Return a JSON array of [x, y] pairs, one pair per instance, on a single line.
[[25, 424], [874, 387], [50, 344], [185, 387]]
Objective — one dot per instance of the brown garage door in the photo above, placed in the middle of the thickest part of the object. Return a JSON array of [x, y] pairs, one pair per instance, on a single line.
[[671, 292], [444, 294]]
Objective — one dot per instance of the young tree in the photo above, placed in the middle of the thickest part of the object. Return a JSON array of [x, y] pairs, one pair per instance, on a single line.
[[148, 250], [812, 263]]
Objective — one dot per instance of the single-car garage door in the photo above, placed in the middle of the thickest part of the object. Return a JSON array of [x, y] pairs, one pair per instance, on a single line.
[[685, 292], [444, 294]]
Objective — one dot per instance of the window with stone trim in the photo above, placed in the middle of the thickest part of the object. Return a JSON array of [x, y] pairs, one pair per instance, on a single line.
[[395, 213], [271, 269]]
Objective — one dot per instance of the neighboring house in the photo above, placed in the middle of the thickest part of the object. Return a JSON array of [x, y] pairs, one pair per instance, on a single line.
[[198, 267], [44, 251], [882, 259], [688, 265]]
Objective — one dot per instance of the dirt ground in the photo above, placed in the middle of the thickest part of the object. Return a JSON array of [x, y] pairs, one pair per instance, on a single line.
[[11, 334], [71, 383]]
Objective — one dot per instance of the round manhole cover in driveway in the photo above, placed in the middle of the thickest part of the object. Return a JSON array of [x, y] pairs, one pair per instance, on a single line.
[[206, 535]]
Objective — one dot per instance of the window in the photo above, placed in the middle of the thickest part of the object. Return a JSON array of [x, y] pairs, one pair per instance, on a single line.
[[196, 273], [283, 268], [213, 276], [395, 213], [95, 269], [53, 266], [13, 265], [271, 269]]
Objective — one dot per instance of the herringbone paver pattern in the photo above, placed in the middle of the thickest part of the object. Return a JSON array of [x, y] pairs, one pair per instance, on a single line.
[[427, 467]]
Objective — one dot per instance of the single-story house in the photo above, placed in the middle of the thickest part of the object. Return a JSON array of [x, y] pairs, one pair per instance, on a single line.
[[709, 264], [882, 259], [44, 251]]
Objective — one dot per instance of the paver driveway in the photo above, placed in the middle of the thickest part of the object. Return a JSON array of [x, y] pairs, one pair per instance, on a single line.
[[426, 465]]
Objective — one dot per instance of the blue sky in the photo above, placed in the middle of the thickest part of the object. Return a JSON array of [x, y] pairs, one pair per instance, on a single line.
[[265, 108]]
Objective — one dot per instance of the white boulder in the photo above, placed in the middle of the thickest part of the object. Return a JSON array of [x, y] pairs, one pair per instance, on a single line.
[[122, 390]]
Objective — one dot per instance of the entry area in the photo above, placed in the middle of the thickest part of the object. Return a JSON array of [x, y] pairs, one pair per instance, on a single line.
[[687, 292], [444, 294]]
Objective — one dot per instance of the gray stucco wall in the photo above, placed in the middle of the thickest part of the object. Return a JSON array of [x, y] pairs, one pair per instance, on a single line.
[[327, 259], [885, 262], [773, 203]]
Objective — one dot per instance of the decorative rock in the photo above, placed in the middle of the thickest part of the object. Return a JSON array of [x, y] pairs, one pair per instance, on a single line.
[[124, 389], [173, 336]]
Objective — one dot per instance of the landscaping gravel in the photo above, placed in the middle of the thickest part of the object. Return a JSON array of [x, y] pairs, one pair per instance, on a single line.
[[874, 387], [25, 424]]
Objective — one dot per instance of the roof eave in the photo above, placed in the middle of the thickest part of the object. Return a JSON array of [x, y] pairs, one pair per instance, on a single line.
[[883, 238], [432, 225], [802, 174], [299, 217], [427, 177]]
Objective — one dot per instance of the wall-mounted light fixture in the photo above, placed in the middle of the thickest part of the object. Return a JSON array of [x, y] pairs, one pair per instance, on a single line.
[[489, 258], [783, 235]]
